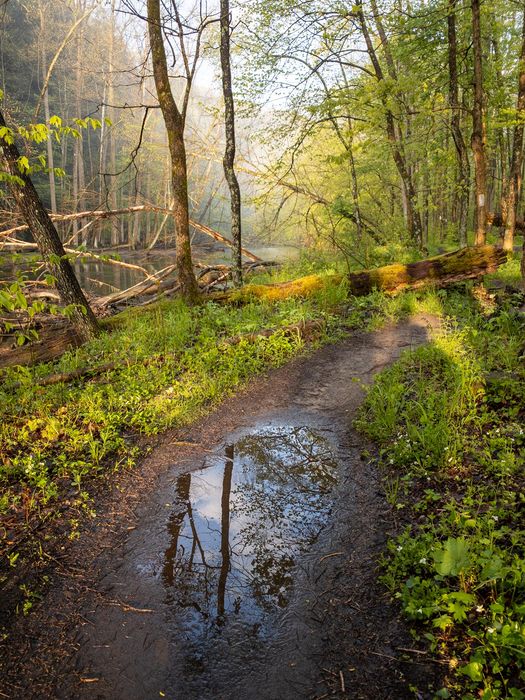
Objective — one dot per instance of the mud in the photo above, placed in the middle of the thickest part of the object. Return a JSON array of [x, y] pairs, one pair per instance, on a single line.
[[240, 561]]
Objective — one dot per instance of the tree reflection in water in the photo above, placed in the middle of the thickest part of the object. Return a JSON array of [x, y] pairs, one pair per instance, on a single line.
[[239, 525]]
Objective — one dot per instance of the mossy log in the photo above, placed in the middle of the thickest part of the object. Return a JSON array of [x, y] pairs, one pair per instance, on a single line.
[[439, 271], [51, 344], [307, 330]]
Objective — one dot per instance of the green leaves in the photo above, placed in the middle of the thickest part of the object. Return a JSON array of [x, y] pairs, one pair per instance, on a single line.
[[453, 559], [6, 134], [458, 604], [23, 165], [474, 670]]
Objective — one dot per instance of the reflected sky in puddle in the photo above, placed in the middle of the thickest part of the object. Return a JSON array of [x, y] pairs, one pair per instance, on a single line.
[[239, 526]]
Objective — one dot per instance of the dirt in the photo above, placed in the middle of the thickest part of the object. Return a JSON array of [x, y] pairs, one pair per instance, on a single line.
[[278, 595]]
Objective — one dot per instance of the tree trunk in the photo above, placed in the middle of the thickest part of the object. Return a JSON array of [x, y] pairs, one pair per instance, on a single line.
[[394, 137], [514, 178], [463, 185], [49, 143], [80, 201], [478, 133], [440, 271], [112, 142], [175, 128], [229, 153], [49, 244]]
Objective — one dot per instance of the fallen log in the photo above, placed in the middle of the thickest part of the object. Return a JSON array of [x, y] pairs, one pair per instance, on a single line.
[[159, 287], [51, 344], [439, 271], [307, 330]]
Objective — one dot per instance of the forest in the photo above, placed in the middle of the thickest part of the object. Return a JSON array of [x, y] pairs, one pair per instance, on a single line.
[[262, 349]]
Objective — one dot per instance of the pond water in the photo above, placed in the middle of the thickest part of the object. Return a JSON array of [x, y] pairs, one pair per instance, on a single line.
[[102, 278]]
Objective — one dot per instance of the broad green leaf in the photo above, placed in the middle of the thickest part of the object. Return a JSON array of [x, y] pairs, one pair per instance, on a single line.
[[474, 670], [453, 559]]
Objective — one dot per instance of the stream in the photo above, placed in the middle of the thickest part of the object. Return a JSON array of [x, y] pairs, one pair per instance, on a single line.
[[101, 278]]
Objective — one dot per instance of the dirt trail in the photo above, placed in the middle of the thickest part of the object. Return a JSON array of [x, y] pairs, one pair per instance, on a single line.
[[306, 619]]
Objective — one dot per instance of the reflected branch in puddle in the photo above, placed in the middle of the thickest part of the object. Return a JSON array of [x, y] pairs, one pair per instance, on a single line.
[[174, 527], [249, 517], [225, 529]]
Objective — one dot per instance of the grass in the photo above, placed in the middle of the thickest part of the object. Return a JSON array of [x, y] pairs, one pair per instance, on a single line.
[[171, 366], [449, 419]]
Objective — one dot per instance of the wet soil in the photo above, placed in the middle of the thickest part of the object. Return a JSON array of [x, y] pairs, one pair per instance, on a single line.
[[240, 560]]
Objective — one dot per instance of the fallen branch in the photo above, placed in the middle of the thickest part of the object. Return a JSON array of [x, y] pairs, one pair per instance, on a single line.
[[222, 239], [149, 286], [162, 289], [138, 209], [12, 243]]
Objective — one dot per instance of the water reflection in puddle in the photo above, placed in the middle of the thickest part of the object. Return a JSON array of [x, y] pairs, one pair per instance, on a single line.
[[239, 527]]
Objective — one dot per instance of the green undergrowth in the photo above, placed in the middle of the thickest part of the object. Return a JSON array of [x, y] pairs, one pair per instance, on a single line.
[[170, 364], [449, 419]]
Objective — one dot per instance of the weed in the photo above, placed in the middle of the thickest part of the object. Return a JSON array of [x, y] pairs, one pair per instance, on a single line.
[[449, 418]]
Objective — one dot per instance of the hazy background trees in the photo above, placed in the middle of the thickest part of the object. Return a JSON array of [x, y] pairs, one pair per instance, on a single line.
[[358, 125]]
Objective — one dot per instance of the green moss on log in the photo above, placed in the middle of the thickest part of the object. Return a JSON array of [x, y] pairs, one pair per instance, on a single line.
[[441, 270], [300, 287]]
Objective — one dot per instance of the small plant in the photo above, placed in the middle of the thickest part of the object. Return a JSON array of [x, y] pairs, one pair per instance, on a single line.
[[456, 442]]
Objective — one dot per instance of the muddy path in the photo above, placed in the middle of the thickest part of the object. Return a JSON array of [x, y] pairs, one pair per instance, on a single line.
[[240, 560]]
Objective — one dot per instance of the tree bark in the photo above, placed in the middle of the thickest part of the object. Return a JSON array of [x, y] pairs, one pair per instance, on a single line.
[[478, 132], [440, 271], [45, 90], [112, 142], [229, 153], [175, 127], [514, 178], [49, 244], [394, 137], [463, 184]]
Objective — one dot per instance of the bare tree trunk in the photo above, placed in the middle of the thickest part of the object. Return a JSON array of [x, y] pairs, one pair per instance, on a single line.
[[49, 144], [112, 145], [394, 137], [478, 134], [175, 127], [78, 146], [514, 179], [463, 182], [48, 241], [229, 153]]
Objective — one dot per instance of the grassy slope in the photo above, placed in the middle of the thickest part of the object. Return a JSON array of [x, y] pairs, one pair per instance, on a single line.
[[56, 441], [450, 420]]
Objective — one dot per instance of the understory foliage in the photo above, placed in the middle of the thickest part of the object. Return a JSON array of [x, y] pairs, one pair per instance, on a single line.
[[450, 420], [169, 365]]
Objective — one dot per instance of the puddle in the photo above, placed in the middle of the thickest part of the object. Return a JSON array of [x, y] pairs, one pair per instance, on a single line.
[[237, 531]]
